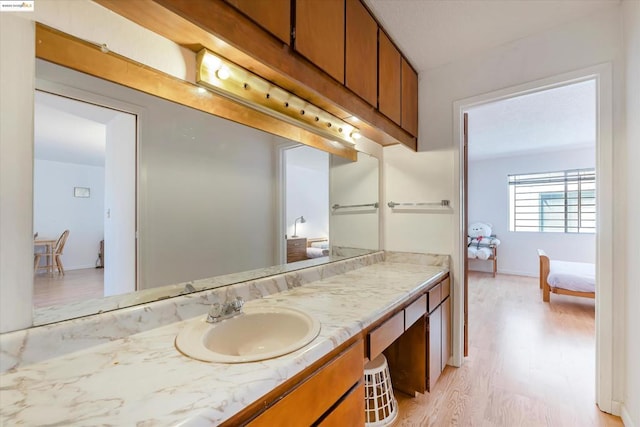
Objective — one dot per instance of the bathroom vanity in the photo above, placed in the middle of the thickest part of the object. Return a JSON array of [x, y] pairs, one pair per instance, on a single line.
[[416, 340], [365, 305]]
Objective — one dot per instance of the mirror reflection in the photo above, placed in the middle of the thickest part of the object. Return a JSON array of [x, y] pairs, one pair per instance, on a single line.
[[161, 200]]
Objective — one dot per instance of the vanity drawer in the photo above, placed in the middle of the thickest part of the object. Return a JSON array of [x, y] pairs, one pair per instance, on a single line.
[[446, 289], [415, 311], [315, 395], [434, 297], [382, 337], [349, 412]]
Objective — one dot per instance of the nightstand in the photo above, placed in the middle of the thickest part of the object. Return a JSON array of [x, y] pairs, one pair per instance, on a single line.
[[296, 249]]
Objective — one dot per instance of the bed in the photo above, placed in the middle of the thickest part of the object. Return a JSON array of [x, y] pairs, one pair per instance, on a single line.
[[566, 278], [317, 247]]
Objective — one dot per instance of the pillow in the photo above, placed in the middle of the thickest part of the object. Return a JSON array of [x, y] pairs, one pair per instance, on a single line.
[[321, 245]]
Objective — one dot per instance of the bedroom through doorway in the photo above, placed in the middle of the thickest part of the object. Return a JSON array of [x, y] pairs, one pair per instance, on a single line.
[[306, 203], [544, 140]]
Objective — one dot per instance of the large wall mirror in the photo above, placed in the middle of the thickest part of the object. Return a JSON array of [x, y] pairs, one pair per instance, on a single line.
[[162, 200]]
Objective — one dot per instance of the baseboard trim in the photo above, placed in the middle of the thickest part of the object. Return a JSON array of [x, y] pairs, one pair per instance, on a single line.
[[80, 267], [626, 418], [501, 271], [616, 407]]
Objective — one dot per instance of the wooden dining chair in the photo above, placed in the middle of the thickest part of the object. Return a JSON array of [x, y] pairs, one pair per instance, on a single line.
[[56, 260], [58, 250]]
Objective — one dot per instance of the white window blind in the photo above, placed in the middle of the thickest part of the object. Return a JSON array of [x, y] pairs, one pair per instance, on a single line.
[[561, 202]]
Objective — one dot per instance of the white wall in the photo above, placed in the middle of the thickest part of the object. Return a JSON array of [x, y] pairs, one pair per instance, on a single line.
[[418, 177], [585, 43], [17, 49], [631, 409], [489, 202], [307, 191], [354, 183], [55, 209]]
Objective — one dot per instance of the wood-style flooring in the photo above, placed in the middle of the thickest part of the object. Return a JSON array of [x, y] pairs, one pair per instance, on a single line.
[[75, 285], [530, 363]]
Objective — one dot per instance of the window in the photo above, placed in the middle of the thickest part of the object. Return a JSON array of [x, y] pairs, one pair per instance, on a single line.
[[561, 202]]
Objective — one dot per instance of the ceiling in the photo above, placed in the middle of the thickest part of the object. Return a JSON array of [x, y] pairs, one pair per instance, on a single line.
[[556, 119], [70, 131], [432, 33]]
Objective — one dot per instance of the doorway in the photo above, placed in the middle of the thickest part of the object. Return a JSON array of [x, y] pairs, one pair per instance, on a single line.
[[84, 182], [306, 202], [605, 369]]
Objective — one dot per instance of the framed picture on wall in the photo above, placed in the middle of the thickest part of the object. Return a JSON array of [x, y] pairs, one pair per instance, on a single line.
[[81, 192]]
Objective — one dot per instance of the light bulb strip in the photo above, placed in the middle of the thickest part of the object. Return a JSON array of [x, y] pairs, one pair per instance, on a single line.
[[233, 81]]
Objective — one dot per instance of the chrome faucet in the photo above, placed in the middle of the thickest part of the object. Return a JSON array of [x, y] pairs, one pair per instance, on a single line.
[[219, 312]]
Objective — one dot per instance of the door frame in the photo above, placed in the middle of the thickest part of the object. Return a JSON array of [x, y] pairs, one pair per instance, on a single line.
[[608, 391], [140, 112], [281, 171]]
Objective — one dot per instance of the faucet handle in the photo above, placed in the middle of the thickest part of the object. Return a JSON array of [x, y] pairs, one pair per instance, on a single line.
[[237, 304], [215, 311]]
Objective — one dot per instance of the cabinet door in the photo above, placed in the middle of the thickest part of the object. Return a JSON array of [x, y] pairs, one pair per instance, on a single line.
[[361, 52], [389, 83], [272, 15], [349, 411], [319, 34], [409, 99], [304, 405], [446, 332], [434, 349]]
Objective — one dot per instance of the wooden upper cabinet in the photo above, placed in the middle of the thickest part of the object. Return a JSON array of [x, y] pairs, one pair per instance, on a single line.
[[272, 15], [409, 99], [319, 34], [361, 52], [389, 78]]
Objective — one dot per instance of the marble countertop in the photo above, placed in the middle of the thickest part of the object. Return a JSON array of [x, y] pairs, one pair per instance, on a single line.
[[143, 380]]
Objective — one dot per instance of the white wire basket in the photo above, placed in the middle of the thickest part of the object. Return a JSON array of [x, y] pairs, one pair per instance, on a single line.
[[381, 407]]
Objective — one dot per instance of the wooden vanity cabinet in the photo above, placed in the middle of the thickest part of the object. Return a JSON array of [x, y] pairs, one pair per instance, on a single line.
[[416, 359], [319, 34], [434, 347], [438, 331], [349, 411], [447, 337], [329, 395], [272, 15], [381, 337]]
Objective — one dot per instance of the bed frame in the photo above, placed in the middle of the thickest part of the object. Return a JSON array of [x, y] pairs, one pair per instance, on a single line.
[[547, 289], [312, 240]]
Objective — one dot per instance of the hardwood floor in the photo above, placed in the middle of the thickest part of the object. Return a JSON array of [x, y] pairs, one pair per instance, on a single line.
[[75, 285], [530, 363]]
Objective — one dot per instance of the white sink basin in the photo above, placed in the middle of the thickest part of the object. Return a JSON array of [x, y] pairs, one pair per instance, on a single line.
[[257, 334]]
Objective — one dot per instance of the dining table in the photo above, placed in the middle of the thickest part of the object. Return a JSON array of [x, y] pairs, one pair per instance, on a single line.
[[49, 245]]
